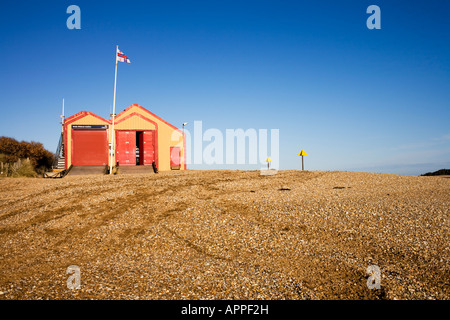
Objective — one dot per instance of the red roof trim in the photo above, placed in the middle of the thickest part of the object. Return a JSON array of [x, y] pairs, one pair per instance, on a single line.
[[151, 113], [138, 115], [75, 115], [83, 114]]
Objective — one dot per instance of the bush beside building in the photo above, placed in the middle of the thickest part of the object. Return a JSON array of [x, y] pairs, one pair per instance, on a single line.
[[23, 158]]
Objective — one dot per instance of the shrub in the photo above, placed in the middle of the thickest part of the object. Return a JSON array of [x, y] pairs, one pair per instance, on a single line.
[[23, 169], [20, 168], [438, 173], [12, 151]]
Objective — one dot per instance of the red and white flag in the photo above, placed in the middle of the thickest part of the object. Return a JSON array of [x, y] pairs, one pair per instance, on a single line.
[[121, 57]]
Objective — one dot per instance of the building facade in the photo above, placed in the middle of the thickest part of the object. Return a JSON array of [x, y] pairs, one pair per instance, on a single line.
[[140, 138]]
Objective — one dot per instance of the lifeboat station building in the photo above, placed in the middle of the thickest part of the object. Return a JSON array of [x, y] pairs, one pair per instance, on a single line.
[[140, 138]]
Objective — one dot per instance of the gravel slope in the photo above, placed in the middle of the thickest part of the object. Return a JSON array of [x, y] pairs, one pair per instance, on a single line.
[[225, 235]]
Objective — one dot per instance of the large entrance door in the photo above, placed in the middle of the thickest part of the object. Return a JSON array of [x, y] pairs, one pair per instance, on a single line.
[[89, 147], [126, 147], [147, 147]]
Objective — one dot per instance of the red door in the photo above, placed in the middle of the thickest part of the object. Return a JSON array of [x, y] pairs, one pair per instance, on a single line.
[[147, 145], [89, 147], [126, 147], [175, 157]]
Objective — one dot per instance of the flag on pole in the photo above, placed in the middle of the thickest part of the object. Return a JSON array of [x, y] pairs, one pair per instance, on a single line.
[[122, 57]]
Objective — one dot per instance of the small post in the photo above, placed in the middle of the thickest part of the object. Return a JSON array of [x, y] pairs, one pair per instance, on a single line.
[[302, 153], [268, 160]]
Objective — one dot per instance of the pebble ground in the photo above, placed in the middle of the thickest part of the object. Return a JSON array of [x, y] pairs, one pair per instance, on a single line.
[[225, 235]]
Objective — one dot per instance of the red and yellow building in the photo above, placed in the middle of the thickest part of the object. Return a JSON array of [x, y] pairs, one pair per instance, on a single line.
[[140, 137]]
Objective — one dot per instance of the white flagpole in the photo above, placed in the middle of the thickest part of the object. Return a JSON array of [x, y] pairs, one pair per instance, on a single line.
[[113, 116]]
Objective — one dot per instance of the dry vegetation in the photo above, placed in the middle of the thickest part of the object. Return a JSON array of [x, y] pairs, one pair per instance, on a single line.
[[23, 159], [225, 235]]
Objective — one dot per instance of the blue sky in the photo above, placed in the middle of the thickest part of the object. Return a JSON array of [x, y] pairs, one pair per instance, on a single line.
[[353, 98]]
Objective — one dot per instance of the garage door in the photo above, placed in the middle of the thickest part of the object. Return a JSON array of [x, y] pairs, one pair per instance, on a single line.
[[147, 145], [126, 147], [90, 147]]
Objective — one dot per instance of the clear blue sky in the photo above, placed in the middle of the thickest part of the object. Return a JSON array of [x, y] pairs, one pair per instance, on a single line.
[[353, 98]]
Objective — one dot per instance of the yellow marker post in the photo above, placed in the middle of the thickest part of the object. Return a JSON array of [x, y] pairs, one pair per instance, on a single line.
[[268, 160], [302, 153]]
